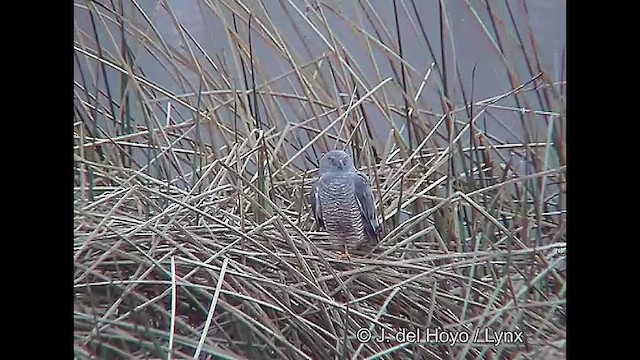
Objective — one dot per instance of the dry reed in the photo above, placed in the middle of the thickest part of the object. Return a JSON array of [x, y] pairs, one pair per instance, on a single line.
[[192, 231]]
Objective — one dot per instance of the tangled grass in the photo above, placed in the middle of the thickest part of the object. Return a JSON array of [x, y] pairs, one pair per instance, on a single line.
[[193, 237]]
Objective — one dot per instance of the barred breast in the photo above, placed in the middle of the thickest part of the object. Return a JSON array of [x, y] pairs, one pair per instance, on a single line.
[[340, 211]]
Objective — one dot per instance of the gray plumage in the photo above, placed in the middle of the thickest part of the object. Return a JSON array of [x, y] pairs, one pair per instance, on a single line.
[[342, 203]]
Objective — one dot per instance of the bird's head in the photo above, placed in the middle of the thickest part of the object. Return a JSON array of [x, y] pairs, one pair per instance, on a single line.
[[336, 161]]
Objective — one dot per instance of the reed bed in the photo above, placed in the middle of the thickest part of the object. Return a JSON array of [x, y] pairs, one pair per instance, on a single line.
[[192, 230]]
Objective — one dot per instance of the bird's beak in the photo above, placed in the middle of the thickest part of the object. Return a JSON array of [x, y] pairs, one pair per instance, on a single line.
[[342, 163]]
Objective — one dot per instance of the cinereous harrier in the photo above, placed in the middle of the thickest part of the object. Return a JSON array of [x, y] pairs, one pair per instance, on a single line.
[[342, 203]]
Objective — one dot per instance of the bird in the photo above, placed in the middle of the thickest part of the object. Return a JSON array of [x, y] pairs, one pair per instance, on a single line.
[[342, 203]]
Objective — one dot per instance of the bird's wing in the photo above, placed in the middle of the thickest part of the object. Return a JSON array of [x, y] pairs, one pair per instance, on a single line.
[[314, 201], [364, 197]]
